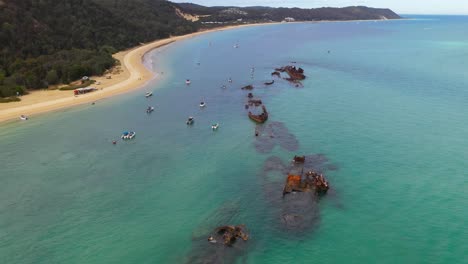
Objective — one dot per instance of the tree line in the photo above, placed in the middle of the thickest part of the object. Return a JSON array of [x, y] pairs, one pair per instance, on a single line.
[[47, 42]]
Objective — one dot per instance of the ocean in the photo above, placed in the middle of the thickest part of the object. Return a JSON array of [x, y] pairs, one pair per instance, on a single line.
[[382, 114]]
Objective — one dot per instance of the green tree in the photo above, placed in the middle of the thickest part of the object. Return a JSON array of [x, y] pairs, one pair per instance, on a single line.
[[52, 77]]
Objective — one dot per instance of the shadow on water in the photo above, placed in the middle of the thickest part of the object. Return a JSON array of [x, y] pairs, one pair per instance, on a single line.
[[272, 134], [297, 212]]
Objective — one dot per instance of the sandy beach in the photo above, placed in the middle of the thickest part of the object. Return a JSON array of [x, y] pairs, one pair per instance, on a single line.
[[132, 74]]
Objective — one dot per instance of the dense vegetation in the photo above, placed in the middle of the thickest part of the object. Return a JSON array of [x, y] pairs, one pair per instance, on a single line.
[[264, 14], [47, 42]]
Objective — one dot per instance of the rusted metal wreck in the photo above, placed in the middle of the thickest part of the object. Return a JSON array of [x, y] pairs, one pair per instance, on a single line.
[[248, 87], [230, 234], [261, 118], [295, 74], [310, 182]]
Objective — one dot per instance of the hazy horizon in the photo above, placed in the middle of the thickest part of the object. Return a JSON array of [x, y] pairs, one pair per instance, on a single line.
[[428, 7]]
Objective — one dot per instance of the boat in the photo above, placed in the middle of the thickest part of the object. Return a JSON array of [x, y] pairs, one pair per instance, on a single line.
[[190, 120], [23, 117], [149, 109], [236, 46], [261, 118], [128, 135], [187, 82], [148, 94], [270, 83], [202, 104], [215, 126], [230, 80]]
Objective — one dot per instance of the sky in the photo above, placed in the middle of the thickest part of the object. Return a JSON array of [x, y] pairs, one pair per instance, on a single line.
[[399, 6]]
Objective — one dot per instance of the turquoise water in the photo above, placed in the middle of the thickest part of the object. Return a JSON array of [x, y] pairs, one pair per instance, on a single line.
[[386, 108]]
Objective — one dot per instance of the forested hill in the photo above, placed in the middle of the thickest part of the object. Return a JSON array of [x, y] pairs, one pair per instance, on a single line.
[[265, 14], [45, 42]]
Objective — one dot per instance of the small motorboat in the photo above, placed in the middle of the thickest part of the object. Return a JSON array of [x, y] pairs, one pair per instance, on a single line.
[[230, 80], [23, 117], [128, 135], [215, 126], [149, 109], [148, 94], [236, 46], [187, 82], [270, 82], [190, 120], [202, 104]]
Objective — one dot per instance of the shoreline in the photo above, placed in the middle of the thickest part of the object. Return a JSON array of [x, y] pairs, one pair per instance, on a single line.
[[134, 75]]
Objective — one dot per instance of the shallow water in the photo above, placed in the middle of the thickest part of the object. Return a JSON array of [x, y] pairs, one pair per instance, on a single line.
[[384, 113]]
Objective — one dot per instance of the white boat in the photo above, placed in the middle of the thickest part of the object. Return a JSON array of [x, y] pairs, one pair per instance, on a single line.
[[187, 82], [23, 117], [148, 94], [190, 120], [128, 135], [149, 109], [202, 104], [215, 126]]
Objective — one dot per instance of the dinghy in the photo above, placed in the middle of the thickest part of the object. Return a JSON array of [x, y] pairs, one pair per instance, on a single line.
[[190, 120]]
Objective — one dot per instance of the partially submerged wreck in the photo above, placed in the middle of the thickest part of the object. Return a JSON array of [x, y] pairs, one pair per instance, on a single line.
[[299, 159], [261, 118], [230, 234], [214, 250], [310, 182], [248, 87], [255, 102], [295, 74]]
